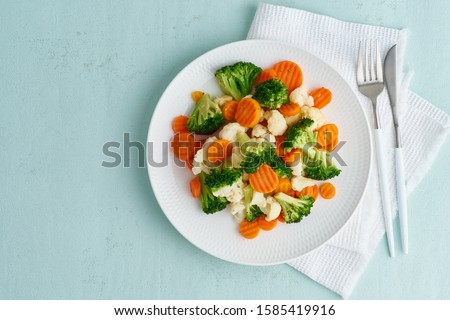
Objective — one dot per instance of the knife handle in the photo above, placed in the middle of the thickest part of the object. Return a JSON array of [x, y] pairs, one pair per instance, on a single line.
[[401, 198], [384, 190]]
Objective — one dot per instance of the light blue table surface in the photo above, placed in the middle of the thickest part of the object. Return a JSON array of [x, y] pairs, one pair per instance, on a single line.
[[76, 74]]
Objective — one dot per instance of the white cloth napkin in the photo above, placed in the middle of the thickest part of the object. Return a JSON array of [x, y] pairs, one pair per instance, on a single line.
[[339, 263]]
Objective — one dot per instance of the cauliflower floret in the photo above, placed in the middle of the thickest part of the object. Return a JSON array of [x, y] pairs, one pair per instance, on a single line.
[[239, 216], [313, 114], [210, 139], [275, 122], [239, 213], [221, 100], [233, 193], [307, 112], [230, 131], [297, 168], [199, 165], [301, 97], [261, 115], [236, 207], [237, 193], [272, 210], [258, 199], [258, 140], [293, 119], [299, 182], [259, 131], [270, 138]]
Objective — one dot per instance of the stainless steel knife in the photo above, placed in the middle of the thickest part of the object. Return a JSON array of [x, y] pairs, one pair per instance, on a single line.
[[391, 79]]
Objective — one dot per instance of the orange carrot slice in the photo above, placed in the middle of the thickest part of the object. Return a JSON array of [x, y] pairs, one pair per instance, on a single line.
[[248, 112], [292, 156], [197, 95], [195, 187], [312, 191], [265, 75], [179, 124], [218, 150], [327, 190], [184, 145], [249, 230], [322, 97], [327, 136], [281, 218], [266, 225], [264, 180], [229, 110], [189, 164], [289, 73], [279, 150], [284, 185], [290, 109], [291, 193]]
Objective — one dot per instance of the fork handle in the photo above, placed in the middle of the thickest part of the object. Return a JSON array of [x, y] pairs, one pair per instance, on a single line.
[[375, 113], [384, 190]]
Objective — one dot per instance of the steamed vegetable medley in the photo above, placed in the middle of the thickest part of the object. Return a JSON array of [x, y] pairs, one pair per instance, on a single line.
[[266, 153]]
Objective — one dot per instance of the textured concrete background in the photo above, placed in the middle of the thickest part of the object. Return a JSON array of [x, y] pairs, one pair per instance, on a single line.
[[75, 74]]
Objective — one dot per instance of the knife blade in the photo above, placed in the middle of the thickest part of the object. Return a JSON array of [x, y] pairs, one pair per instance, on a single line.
[[390, 77], [391, 80]]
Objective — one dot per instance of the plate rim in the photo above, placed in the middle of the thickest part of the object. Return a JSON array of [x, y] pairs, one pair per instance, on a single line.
[[279, 43]]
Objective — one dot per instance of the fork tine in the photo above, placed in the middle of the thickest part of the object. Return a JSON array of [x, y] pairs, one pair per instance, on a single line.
[[373, 76], [367, 49], [359, 70], [379, 66]]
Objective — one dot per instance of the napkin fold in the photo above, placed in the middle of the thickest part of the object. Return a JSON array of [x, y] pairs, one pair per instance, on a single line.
[[339, 263]]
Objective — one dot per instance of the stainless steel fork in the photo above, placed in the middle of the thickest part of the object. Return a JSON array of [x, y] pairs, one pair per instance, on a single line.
[[369, 76]]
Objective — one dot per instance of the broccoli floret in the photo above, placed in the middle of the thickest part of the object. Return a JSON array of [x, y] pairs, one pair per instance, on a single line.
[[237, 80], [299, 135], [318, 165], [210, 203], [257, 154], [279, 166], [222, 177], [271, 93], [251, 211], [294, 209], [206, 117]]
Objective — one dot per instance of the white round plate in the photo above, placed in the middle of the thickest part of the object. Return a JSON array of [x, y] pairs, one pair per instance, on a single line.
[[218, 234]]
